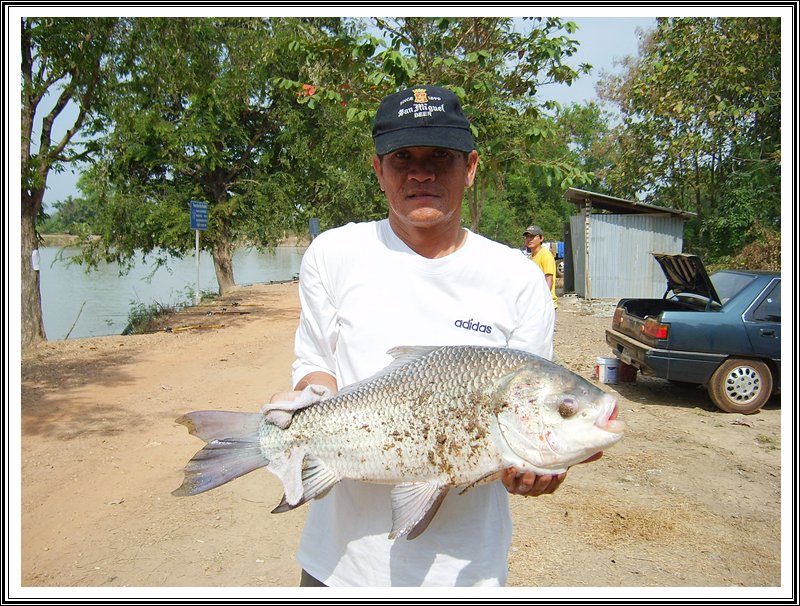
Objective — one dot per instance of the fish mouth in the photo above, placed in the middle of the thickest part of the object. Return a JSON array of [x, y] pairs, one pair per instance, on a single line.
[[607, 419]]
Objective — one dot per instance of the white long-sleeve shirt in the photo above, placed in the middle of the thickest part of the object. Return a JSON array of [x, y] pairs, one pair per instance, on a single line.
[[362, 292]]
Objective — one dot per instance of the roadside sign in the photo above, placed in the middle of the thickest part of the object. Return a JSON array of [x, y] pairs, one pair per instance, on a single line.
[[198, 219], [313, 226], [198, 216]]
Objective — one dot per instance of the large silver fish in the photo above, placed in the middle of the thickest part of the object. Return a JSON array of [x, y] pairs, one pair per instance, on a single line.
[[437, 417]]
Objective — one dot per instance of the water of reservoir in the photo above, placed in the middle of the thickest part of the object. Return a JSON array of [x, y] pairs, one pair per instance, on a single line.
[[97, 303]]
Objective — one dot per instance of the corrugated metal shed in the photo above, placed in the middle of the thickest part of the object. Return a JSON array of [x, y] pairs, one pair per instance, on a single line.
[[609, 253]]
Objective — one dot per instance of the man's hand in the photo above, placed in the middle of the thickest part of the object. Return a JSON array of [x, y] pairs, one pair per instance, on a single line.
[[280, 412], [528, 484]]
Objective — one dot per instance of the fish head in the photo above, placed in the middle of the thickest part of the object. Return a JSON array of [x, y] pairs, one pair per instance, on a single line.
[[552, 419]]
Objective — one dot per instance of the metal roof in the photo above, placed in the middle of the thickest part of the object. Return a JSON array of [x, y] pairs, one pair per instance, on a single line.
[[619, 205]]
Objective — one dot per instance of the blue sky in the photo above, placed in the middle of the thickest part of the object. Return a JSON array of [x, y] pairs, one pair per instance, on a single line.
[[603, 40]]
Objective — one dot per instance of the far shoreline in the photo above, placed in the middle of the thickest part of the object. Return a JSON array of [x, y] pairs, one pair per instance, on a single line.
[[62, 240]]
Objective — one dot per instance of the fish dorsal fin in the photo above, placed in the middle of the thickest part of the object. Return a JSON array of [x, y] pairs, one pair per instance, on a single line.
[[402, 356], [413, 507], [316, 479], [407, 353]]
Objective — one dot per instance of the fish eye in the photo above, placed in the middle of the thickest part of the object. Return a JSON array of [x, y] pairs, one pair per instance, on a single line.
[[567, 408]]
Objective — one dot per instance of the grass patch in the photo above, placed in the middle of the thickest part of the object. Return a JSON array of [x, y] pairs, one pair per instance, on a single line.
[[147, 318], [769, 442]]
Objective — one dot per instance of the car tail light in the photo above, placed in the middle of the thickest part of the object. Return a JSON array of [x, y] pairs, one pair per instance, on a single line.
[[654, 329], [618, 313]]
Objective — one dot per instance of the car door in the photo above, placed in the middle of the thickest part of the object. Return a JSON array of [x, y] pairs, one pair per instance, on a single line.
[[762, 321]]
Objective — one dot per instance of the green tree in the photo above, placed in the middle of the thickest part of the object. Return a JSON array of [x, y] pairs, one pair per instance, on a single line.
[[495, 69], [571, 142], [701, 124], [72, 216], [325, 160], [64, 60], [197, 117]]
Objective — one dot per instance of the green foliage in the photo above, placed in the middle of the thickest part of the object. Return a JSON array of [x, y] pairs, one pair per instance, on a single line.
[[146, 318], [762, 251], [498, 222], [701, 126], [65, 59], [195, 118], [741, 208], [72, 216], [533, 191], [268, 120], [496, 69], [143, 318]]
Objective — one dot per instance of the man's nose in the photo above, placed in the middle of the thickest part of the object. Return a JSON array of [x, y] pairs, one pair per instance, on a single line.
[[421, 169]]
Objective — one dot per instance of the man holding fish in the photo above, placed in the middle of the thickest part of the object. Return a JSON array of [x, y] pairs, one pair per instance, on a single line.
[[423, 388], [416, 278]]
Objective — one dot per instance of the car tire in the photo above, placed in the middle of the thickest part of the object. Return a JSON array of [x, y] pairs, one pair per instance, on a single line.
[[741, 386]]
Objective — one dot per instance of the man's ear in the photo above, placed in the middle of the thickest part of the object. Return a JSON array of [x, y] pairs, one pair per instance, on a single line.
[[378, 168], [472, 168]]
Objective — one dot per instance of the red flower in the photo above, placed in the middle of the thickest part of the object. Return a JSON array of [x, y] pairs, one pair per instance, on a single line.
[[309, 89]]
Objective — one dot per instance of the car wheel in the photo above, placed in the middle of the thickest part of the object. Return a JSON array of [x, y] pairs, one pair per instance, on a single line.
[[741, 386]]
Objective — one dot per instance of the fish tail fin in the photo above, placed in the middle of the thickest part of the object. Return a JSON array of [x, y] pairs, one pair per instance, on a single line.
[[233, 449]]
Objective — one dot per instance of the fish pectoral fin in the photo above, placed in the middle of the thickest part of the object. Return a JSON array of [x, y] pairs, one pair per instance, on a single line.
[[318, 478], [413, 507], [315, 479], [281, 413]]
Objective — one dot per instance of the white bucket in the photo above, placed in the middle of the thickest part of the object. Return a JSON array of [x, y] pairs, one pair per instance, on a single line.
[[606, 369]]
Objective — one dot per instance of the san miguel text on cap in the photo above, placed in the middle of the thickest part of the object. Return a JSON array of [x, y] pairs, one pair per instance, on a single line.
[[422, 116]]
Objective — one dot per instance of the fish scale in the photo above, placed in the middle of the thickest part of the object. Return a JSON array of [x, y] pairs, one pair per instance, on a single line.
[[365, 419], [435, 418]]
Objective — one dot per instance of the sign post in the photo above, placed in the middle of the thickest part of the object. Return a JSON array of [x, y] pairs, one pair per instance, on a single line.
[[198, 220]]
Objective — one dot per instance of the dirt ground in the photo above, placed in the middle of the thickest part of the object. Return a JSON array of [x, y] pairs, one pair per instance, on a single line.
[[689, 499]]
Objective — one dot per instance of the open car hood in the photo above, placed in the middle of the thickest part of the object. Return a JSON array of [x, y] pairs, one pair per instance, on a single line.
[[685, 273]]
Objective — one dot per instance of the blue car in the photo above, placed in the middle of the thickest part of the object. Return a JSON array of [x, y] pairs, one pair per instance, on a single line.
[[723, 331]]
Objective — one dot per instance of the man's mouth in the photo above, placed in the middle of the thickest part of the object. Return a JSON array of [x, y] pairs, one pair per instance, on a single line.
[[416, 195]]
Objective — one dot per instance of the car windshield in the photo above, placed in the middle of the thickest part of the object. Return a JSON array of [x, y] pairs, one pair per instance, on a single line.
[[727, 284]]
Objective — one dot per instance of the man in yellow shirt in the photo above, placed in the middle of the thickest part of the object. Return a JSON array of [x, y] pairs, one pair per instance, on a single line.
[[534, 236]]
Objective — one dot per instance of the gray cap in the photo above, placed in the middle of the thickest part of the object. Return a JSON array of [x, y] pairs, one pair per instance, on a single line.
[[533, 230]]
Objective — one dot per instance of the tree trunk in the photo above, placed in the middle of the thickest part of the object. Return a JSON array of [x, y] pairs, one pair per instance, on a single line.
[[222, 254], [475, 206], [32, 325]]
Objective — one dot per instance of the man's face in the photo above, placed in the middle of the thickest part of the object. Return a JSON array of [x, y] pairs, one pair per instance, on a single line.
[[533, 242], [425, 185]]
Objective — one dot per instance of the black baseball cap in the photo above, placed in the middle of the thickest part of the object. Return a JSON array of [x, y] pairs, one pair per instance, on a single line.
[[421, 116]]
